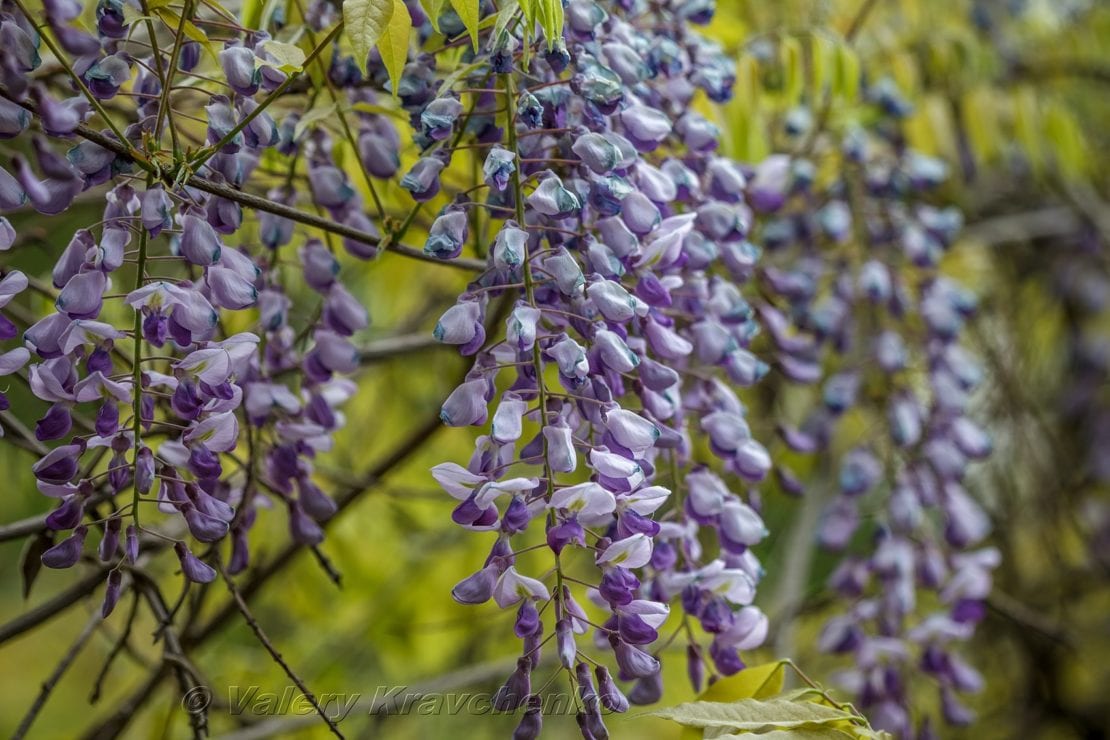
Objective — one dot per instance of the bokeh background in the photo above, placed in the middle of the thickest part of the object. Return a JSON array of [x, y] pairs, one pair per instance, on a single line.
[[1015, 95]]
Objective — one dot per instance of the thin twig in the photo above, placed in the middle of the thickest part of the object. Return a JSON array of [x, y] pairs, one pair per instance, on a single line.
[[115, 724], [117, 648], [382, 707], [259, 633], [256, 202], [854, 28], [173, 653], [387, 349], [51, 608], [55, 676]]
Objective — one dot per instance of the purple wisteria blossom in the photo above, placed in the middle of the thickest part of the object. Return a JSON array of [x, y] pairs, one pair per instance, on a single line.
[[878, 334], [614, 441]]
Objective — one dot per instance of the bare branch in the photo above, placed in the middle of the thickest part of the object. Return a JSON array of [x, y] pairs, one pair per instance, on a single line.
[[372, 705], [387, 349], [259, 633], [117, 648], [114, 725], [258, 203], [51, 608], [174, 655], [56, 675]]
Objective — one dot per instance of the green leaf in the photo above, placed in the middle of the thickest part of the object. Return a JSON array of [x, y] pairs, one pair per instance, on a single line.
[[816, 733], [1066, 138], [821, 55], [462, 71], [132, 15], [846, 79], [30, 560], [756, 682], [748, 81], [790, 53], [250, 16], [551, 20], [379, 110], [432, 8], [979, 116], [752, 715], [470, 15], [173, 20], [1027, 123], [504, 16], [288, 57], [528, 10], [365, 21], [394, 43], [269, 8], [312, 117]]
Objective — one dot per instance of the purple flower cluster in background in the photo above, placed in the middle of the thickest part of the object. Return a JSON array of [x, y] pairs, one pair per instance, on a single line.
[[856, 306]]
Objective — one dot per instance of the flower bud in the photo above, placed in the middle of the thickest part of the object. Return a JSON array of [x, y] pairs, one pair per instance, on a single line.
[[192, 567], [66, 553]]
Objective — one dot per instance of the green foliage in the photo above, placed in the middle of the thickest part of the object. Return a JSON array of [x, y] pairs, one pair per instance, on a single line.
[[751, 702], [469, 14], [250, 15], [393, 44], [289, 57], [365, 21], [550, 16], [433, 8], [755, 682]]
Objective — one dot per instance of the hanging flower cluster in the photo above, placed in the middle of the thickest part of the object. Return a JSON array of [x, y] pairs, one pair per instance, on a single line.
[[195, 361], [169, 398], [855, 305], [1080, 280], [607, 391]]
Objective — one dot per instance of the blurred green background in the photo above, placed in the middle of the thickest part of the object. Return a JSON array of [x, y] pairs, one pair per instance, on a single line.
[[1014, 95]]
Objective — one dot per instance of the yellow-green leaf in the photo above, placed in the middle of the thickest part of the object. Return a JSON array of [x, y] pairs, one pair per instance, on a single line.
[[757, 682], [287, 57], [251, 14], [312, 117], [132, 15], [393, 44], [1027, 125], [501, 24], [364, 22], [432, 8], [363, 107], [847, 72], [979, 116], [173, 20], [752, 715], [748, 85], [821, 53], [903, 68], [815, 733], [379, 110], [793, 80], [551, 20], [1066, 138], [469, 14], [269, 8], [462, 71], [528, 12]]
